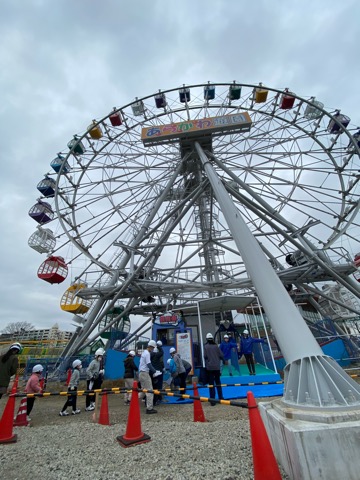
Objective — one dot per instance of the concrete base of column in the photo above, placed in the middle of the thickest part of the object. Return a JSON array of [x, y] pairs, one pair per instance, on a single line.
[[313, 444]]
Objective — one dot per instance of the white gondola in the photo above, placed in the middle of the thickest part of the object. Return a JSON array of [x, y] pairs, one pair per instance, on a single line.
[[138, 108], [42, 240], [312, 111]]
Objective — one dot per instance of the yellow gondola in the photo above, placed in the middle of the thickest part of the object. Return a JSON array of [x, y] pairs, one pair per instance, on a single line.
[[70, 302], [260, 94]]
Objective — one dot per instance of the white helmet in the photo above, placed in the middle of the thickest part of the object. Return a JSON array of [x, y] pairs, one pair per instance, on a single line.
[[132, 353], [159, 343], [168, 361], [152, 343], [76, 363], [246, 332], [99, 352], [226, 336], [37, 369], [16, 346], [172, 350], [209, 336]]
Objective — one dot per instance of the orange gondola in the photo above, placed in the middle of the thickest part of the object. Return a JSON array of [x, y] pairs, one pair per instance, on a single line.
[[53, 270]]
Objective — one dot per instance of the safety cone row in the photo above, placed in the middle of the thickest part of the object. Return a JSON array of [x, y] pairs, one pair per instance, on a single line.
[[6, 422], [134, 434], [198, 410], [21, 418], [104, 411], [265, 464]]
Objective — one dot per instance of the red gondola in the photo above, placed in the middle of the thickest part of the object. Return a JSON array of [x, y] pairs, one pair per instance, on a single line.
[[53, 270], [287, 100], [115, 119]]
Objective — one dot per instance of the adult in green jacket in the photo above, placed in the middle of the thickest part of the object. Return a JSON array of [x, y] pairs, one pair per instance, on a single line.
[[9, 363]]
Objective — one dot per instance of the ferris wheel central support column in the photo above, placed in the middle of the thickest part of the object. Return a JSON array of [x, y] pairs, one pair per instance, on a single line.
[[311, 378]]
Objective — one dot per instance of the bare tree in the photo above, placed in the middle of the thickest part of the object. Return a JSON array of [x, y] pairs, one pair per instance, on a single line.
[[18, 327]]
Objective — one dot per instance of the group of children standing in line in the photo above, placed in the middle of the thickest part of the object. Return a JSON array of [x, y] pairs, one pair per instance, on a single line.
[[150, 372]]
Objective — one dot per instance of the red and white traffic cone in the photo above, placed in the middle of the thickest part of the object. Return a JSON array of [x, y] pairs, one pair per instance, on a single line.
[[21, 418]]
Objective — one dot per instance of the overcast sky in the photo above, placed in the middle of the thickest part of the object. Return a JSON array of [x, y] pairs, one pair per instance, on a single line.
[[63, 63]]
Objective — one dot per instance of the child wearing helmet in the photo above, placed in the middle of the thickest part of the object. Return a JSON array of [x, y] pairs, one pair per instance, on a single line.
[[129, 375], [9, 363], [33, 386], [94, 377], [72, 389]]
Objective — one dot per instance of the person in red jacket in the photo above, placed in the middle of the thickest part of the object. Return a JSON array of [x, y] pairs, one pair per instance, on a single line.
[[33, 386]]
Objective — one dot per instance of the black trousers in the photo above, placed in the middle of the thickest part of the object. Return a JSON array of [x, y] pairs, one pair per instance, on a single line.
[[250, 362], [29, 404], [96, 386], [71, 401], [213, 377]]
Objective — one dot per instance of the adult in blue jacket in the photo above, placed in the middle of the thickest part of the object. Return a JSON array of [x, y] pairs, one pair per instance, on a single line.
[[246, 349], [227, 346]]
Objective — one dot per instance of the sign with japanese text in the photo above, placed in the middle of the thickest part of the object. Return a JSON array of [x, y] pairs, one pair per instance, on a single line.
[[184, 347], [236, 122]]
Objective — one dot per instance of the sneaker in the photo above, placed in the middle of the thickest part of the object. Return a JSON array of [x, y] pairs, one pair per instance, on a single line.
[[90, 408], [127, 402], [151, 411], [92, 404], [75, 412], [28, 418], [64, 414]]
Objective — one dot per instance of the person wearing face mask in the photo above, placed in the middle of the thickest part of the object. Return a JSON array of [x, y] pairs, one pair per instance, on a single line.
[[94, 377]]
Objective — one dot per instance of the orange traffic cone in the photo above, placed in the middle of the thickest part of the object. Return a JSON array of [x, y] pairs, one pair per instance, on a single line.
[[198, 410], [6, 422], [265, 464], [15, 384], [104, 411], [134, 435], [21, 418]]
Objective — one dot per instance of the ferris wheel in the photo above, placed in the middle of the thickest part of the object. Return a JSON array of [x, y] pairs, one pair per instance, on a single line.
[[127, 213]]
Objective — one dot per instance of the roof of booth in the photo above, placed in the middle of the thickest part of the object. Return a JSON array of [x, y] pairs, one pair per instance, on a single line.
[[219, 304]]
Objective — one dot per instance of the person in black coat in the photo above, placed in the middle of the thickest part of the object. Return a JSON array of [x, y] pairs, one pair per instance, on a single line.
[[129, 375], [213, 357], [157, 360], [9, 363]]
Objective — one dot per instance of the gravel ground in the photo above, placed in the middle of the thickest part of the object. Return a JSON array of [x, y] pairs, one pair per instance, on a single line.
[[55, 447]]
